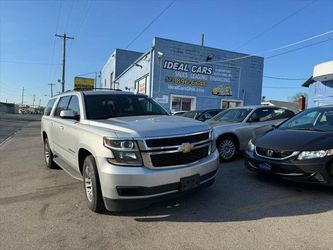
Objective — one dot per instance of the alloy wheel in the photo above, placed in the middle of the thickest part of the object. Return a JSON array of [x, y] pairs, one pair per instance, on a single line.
[[88, 184], [227, 149], [46, 153]]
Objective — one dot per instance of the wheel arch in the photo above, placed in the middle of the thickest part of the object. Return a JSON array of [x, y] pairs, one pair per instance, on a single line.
[[44, 135], [83, 153]]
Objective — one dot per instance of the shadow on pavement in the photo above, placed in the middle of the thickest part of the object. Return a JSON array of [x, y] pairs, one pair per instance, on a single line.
[[240, 195]]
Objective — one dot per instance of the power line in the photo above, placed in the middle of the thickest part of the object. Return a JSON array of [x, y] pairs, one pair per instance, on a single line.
[[86, 13], [274, 87], [69, 16], [275, 24], [303, 41], [270, 50], [285, 78], [54, 40], [150, 24], [299, 48], [26, 62]]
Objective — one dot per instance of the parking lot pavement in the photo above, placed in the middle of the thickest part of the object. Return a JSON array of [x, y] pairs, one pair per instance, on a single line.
[[10, 123], [45, 209]]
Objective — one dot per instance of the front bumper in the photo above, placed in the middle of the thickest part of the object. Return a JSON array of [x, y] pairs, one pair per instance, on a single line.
[[124, 187], [314, 171]]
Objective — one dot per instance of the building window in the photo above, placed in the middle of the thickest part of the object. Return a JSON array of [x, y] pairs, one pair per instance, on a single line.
[[226, 104], [182, 103], [140, 85]]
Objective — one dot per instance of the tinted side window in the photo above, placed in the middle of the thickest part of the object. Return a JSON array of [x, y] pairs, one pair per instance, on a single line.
[[62, 105], [263, 114], [282, 114], [206, 116], [74, 105], [214, 113], [49, 107]]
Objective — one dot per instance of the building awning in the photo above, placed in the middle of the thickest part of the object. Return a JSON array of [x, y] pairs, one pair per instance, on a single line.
[[308, 82]]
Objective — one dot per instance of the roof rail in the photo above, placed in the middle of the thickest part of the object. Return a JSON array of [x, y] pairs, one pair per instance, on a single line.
[[78, 89]]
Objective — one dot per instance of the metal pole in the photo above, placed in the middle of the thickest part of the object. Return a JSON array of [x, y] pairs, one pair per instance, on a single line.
[[64, 37], [51, 84], [22, 95], [63, 66]]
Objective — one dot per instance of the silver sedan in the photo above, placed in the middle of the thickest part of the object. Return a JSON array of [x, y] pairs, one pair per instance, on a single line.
[[236, 126]]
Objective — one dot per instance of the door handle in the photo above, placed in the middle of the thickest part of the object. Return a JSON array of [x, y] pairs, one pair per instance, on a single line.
[[62, 127]]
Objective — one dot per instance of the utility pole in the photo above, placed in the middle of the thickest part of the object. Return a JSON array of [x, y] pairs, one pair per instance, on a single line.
[[39, 102], [22, 95], [64, 37], [51, 85], [33, 102]]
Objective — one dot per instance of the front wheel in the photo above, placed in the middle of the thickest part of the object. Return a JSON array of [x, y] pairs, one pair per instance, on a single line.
[[92, 186], [48, 155], [228, 148]]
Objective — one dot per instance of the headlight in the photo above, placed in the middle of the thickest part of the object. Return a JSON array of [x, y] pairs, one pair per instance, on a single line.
[[213, 143], [125, 152], [306, 155], [250, 147]]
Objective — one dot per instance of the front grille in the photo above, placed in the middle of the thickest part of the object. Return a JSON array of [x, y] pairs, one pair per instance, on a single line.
[[179, 158], [163, 142], [278, 154]]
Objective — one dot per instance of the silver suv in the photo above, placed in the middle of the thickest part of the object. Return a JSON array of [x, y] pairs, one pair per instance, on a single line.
[[126, 148]]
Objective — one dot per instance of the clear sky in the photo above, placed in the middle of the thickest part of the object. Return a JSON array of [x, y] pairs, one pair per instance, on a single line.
[[30, 55]]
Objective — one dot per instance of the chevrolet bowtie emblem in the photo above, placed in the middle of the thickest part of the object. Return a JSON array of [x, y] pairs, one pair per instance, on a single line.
[[186, 147]]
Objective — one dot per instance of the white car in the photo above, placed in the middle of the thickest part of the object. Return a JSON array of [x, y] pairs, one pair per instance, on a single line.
[[127, 150], [235, 127]]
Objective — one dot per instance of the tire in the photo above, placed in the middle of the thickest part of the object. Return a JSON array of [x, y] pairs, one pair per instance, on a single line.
[[92, 186], [228, 148], [48, 156]]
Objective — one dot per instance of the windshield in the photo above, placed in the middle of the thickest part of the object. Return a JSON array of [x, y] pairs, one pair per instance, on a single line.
[[118, 105], [232, 115], [190, 114], [313, 119]]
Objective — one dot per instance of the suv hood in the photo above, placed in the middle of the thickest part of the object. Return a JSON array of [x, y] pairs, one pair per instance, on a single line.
[[296, 140], [151, 126]]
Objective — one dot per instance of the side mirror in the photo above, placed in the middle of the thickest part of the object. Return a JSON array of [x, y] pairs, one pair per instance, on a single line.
[[69, 114]]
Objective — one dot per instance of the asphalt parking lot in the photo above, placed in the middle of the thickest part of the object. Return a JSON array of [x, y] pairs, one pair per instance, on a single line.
[[45, 209], [10, 123]]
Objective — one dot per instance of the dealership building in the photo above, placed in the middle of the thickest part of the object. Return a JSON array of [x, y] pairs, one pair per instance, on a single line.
[[183, 76]]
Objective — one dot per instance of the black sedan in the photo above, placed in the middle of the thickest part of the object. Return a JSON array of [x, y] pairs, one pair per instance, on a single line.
[[299, 149], [202, 115]]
